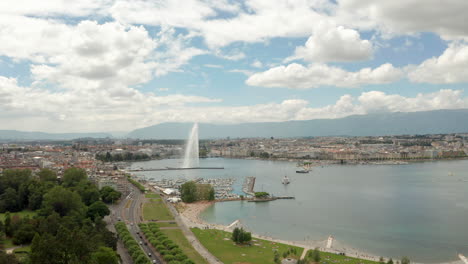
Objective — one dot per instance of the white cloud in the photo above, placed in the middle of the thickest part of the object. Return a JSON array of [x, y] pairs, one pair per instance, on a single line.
[[446, 18], [256, 21], [53, 7], [216, 66], [81, 110], [245, 72], [450, 67], [315, 75], [75, 110], [333, 43], [257, 64]]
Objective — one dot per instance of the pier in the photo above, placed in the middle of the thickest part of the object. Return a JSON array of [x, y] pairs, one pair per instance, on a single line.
[[271, 199], [169, 168], [249, 185]]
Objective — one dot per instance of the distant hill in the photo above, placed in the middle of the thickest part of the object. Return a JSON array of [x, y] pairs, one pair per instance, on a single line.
[[427, 122], [21, 135]]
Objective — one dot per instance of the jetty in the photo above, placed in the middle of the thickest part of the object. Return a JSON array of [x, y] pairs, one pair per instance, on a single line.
[[169, 168], [463, 258], [248, 186], [273, 198]]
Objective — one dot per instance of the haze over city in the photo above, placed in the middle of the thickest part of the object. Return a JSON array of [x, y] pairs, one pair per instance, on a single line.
[[117, 65]]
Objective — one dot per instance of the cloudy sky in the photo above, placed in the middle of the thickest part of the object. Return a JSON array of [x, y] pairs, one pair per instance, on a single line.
[[117, 65]]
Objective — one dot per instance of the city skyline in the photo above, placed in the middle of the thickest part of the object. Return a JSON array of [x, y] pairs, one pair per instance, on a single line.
[[119, 65]]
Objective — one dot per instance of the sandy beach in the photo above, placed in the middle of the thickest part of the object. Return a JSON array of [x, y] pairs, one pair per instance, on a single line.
[[190, 214]]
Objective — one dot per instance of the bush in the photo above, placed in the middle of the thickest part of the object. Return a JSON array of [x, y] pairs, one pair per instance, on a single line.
[[169, 257], [180, 257]]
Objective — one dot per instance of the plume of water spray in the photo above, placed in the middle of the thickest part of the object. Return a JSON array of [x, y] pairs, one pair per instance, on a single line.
[[191, 157]]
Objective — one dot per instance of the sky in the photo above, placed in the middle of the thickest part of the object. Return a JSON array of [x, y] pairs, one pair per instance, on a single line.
[[118, 65]]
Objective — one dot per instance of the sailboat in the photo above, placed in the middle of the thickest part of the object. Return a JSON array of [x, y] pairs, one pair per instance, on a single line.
[[285, 180]]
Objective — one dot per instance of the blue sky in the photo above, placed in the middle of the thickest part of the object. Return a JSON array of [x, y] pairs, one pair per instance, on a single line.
[[117, 65]]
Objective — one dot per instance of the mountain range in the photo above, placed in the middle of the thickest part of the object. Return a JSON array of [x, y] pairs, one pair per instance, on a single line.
[[397, 123], [378, 124]]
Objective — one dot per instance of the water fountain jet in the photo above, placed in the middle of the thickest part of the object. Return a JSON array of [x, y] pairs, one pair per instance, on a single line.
[[191, 157]]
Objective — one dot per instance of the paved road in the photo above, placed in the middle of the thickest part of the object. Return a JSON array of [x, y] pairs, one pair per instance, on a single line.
[[191, 237], [129, 211], [132, 216]]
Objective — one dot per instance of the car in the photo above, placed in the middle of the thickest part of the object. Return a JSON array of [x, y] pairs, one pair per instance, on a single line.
[[149, 254], [154, 261], [141, 242]]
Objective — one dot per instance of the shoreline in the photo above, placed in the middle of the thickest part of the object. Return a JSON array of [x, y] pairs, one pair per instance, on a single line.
[[190, 215]]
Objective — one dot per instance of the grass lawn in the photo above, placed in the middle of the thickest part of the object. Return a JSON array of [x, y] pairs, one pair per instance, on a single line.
[[219, 243], [7, 243], [178, 237], [22, 253], [152, 195], [155, 209], [330, 258], [21, 214], [167, 224]]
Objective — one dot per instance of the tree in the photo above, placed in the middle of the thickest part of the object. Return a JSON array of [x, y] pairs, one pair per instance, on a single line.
[[211, 195], [109, 195], [7, 258], [10, 201], [72, 176], [62, 201], [276, 257], [261, 194], [98, 209], [315, 255], [240, 236], [24, 234], [405, 260], [104, 255], [390, 261], [47, 175], [188, 192], [235, 234], [8, 229]]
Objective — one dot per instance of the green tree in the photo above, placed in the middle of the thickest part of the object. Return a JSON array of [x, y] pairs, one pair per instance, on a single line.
[[211, 195], [188, 192], [98, 209], [315, 255], [24, 234], [405, 260], [390, 261], [7, 258], [9, 201], [62, 201], [8, 229], [109, 195], [47, 175], [72, 176], [104, 255], [240, 236]]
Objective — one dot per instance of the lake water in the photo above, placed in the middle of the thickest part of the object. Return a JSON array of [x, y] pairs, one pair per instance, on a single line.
[[415, 210]]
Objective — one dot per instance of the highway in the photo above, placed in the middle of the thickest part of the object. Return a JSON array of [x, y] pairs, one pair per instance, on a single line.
[[129, 211]]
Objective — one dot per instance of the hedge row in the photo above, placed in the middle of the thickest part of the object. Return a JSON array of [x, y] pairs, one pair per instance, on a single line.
[[137, 184], [165, 246], [135, 251]]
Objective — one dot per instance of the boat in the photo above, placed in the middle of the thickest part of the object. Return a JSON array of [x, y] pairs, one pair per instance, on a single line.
[[306, 168], [285, 180]]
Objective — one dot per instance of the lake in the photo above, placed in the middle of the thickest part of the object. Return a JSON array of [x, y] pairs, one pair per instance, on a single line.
[[419, 210]]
